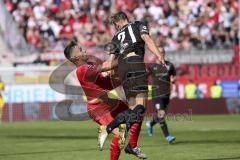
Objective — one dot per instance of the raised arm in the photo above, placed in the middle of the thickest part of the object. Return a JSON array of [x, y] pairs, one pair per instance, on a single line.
[[151, 45]]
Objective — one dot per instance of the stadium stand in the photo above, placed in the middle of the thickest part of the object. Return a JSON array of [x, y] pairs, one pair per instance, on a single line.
[[3, 51], [178, 25]]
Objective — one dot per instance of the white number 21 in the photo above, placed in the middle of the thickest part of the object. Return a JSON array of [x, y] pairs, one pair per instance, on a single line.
[[121, 35]]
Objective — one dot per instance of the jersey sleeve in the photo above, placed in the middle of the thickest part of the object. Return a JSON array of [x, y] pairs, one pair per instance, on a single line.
[[81, 70], [143, 29], [87, 73]]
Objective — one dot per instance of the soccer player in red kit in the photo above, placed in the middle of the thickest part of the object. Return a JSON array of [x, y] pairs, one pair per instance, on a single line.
[[96, 85]]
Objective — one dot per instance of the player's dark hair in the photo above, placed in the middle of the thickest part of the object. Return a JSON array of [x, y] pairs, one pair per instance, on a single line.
[[68, 49], [118, 16]]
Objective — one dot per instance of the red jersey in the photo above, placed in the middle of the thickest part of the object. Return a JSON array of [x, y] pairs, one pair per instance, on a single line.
[[94, 84]]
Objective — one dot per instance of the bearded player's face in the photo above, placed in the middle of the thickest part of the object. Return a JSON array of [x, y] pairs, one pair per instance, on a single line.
[[79, 54]]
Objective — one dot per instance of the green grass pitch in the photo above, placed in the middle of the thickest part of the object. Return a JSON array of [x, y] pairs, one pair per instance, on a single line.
[[202, 138]]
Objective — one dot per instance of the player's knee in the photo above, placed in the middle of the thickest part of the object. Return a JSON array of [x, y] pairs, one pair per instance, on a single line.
[[115, 132]]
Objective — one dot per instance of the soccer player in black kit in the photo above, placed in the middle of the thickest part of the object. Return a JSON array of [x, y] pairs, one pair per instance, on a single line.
[[163, 77], [127, 51]]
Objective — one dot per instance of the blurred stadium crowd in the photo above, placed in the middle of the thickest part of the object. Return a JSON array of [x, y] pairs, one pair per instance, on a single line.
[[176, 24]]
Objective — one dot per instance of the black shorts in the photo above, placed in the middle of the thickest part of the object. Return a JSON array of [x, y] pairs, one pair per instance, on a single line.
[[133, 75], [161, 103]]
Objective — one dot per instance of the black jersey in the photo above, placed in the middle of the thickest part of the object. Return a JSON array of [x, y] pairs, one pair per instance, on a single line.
[[131, 70], [128, 39], [161, 78]]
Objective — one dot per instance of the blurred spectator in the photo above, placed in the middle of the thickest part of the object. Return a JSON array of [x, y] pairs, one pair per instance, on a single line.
[[190, 90], [2, 88], [216, 91], [199, 92], [178, 25], [89, 41]]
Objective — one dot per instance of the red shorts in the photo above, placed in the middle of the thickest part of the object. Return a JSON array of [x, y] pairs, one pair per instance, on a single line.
[[103, 114]]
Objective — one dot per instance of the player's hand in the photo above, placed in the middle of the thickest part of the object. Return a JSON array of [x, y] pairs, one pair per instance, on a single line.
[[105, 74]]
